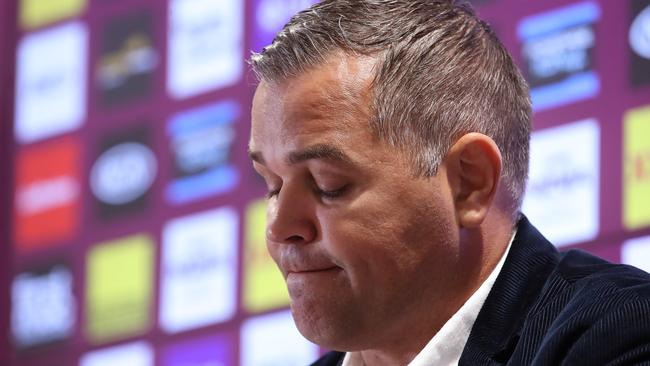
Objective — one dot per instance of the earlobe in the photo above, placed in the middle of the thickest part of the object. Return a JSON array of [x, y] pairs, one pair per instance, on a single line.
[[476, 161]]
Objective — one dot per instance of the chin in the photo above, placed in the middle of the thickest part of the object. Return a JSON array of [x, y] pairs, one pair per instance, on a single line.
[[327, 325]]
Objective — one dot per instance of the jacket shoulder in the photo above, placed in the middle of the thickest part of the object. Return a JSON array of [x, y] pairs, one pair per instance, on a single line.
[[551, 308], [586, 274], [591, 312], [332, 358]]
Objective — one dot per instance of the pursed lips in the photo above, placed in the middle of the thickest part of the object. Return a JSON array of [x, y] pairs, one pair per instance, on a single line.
[[292, 267], [297, 277], [294, 260], [314, 270]]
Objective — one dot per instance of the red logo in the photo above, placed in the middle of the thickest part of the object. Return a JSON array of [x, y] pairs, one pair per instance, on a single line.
[[47, 199]]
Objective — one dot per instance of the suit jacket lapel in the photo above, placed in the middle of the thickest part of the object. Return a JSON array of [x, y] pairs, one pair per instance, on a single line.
[[496, 331]]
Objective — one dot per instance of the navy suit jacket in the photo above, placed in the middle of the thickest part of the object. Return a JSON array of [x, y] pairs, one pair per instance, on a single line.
[[551, 308]]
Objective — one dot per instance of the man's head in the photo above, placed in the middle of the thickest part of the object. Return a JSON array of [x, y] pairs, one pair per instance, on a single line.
[[390, 133], [439, 73]]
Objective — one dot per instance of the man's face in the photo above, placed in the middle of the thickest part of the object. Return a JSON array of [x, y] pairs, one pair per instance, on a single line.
[[366, 248]]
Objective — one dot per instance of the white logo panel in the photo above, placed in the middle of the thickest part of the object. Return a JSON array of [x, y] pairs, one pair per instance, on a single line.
[[199, 270], [636, 252], [43, 306], [51, 82], [123, 173], [273, 339], [131, 354], [205, 45], [562, 197]]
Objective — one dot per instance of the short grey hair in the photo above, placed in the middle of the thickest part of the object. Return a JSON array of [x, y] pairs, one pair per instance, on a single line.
[[440, 73]]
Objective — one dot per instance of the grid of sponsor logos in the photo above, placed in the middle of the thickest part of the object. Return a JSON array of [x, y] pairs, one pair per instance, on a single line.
[[138, 224]]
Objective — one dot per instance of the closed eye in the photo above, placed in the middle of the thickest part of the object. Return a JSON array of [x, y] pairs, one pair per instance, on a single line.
[[272, 193], [331, 194]]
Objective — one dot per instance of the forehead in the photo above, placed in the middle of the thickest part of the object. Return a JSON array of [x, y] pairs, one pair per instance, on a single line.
[[332, 98]]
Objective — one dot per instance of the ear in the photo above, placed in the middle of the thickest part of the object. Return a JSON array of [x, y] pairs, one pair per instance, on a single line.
[[474, 167]]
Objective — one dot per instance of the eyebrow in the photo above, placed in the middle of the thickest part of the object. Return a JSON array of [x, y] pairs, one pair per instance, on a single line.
[[314, 152]]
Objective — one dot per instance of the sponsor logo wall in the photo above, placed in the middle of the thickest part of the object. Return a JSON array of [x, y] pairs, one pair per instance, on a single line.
[[34, 13], [132, 354], [198, 284], [563, 185], [205, 49], [270, 16], [201, 143], [263, 286], [138, 230], [47, 199], [48, 288], [636, 252], [123, 172], [639, 40], [636, 162], [119, 288], [273, 339], [213, 349], [51, 77], [128, 58], [558, 50]]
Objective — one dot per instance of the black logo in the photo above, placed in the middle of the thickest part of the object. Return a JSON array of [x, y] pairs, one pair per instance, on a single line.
[[639, 41], [123, 173], [128, 59], [558, 49]]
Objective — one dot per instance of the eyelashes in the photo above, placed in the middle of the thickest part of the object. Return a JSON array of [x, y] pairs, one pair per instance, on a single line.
[[272, 193], [275, 184], [332, 194], [324, 194]]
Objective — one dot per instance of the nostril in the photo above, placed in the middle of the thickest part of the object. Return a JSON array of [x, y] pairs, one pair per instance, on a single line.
[[295, 239]]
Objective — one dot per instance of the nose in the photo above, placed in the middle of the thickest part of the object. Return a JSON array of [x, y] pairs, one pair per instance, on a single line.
[[290, 218]]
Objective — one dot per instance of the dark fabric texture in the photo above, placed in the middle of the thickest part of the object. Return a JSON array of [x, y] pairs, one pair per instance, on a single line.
[[551, 308], [573, 308], [330, 359]]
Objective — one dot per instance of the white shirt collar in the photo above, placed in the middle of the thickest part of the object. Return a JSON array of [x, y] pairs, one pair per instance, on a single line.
[[446, 347]]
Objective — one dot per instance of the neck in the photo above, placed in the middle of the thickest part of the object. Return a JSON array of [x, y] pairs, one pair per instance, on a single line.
[[413, 334]]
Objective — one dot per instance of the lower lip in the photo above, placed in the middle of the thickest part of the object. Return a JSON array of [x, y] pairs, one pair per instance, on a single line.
[[307, 274]]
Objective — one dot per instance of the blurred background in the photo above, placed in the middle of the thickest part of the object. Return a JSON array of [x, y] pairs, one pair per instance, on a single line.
[[132, 224]]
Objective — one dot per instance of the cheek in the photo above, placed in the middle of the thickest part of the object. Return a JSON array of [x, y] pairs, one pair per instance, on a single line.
[[274, 251], [366, 239], [388, 242]]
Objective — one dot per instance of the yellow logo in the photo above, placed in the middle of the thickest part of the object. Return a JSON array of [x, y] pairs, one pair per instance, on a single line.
[[636, 175], [264, 287], [119, 288], [37, 13]]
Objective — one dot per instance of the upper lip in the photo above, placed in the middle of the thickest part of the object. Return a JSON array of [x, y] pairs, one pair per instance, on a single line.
[[293, 265]]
